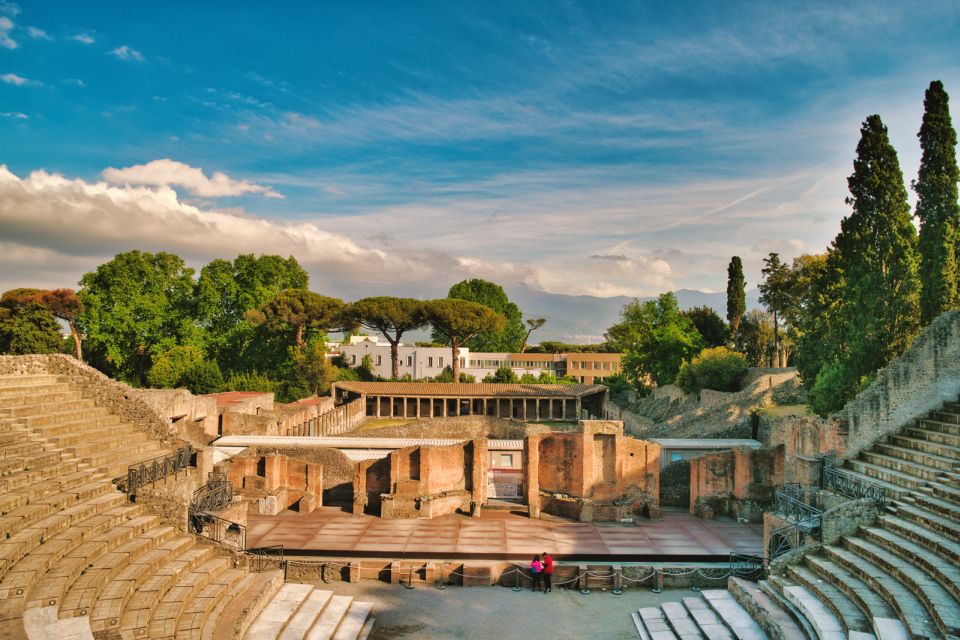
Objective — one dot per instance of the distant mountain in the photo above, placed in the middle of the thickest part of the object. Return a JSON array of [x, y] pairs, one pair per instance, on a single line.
[[583, 319]]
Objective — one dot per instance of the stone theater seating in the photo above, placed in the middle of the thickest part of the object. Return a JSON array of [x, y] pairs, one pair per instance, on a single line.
[[79, 560]]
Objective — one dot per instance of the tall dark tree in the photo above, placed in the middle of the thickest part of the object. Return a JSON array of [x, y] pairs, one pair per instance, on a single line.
[[459, 320], [507, 338], [877, 255], [711, 326], [736, 295], [301, 311], [392, 317], [937, 209], [775, 295]]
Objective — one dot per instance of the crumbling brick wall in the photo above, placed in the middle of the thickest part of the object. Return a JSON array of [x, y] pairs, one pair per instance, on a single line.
[[739, 482]]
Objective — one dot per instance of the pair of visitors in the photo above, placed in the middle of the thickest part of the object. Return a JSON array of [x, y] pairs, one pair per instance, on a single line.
[[542, 569]]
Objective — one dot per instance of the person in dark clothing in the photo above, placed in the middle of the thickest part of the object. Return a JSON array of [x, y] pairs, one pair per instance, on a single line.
[[536, 572], [547, 572]]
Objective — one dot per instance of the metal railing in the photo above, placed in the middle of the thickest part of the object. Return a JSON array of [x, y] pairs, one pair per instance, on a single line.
[[264, 556], [220, 530], [746, 565], [151, 471], [797, 512], [841, 482], [787, 538], [213, 496]]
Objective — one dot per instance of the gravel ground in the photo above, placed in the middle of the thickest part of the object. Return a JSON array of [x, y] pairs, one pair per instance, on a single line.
[[498, 612]]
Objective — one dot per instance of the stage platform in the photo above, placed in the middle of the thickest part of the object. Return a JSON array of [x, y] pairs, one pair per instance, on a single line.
[[676, 537]]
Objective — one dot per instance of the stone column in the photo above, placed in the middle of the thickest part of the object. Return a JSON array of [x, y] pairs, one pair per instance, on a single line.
[[360, 486], [531, 474], [481, 458], [377, 398], [275, 469], [204, 463]]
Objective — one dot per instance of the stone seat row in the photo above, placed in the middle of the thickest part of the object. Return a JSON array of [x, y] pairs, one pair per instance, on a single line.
[[78, 560]]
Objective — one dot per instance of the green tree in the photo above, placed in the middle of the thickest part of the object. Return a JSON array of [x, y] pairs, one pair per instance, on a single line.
[[457, 321], [776, 295], [300, 311], [65, 305], [719, 368], [136, 306], [252, 381], [503, 375], [204, 377], [169, 367], [736, 295], [877, 254], [509, 337], [312, 372], [816, 326], [392, 317], [709, 324], [756, 338], [655, 339], [26, 326], [937, 210]]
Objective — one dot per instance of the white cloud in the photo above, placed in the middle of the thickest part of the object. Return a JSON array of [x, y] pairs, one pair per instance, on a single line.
[[12, 78], [6, 26], [77, 82], [168, 172], [14, 114], [38, 34], [84, 38], [127, 53]]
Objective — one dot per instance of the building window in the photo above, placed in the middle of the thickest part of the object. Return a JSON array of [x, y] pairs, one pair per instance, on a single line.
[[353, 359], [506, 459], [379, 360], [429, 362], [596, 365], [674, 457], [409, 361], [440, 361]]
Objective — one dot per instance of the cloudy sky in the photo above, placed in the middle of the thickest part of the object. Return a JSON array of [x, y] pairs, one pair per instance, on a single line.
[[602, 148]]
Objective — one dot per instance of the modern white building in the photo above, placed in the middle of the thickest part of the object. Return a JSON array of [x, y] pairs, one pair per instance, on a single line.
[[417, 362]]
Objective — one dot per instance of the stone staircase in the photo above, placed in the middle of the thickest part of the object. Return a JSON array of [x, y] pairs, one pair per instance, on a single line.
[[78, 560], [897, 578]]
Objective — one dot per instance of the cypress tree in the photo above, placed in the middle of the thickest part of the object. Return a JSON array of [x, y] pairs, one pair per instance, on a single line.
[[877, 252], [736, 296], [937, 211]]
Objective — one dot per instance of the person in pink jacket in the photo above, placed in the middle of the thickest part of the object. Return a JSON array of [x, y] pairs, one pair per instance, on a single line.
[[536, 571]]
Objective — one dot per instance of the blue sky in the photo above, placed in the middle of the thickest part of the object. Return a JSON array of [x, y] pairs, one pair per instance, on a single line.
[[582, 148]]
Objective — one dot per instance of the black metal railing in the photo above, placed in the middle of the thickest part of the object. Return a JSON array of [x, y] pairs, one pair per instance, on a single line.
[[214, 496], [797, 512], [787, 538], [151, 471], [222, 531], [845, 484], [747, 566], [266, 556]]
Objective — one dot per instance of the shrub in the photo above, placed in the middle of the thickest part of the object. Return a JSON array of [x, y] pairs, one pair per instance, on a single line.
[[203, 377], [251, 381], [503, 375], [834, 386], [168, 369], [718, 368]]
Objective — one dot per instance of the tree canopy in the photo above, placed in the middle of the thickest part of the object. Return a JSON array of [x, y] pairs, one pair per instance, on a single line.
[[736, 295], [510, 337], [460, 320], [392, 317], [709, 324], [300, 311], [26, 325]]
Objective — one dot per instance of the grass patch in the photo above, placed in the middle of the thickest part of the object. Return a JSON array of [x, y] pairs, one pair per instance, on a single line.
[[786, 410], [379, 423]]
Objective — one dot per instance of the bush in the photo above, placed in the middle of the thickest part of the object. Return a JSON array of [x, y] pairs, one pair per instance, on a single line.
[[834, 386], [719, 368], [447, 376], [169, 368], [251, 381], [203, 377], [503, 375]]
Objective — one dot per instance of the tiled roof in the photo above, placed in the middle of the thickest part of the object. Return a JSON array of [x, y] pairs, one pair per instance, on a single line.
[[339, 442], [442, 389]]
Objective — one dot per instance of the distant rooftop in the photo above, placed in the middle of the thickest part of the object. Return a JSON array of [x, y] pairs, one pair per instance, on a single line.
[[441, 389], [228, 398], [706, 443]]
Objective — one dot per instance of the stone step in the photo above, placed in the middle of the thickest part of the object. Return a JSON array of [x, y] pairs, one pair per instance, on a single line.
[[127, 456], [951, 428], [352, 624], [165, 616], [367, 628], [710, 625], [33, 531], [892, 490], [733, 615], [946, 489], [946, 414], [923, 536], [921, 471], [191, 620], [638, 624], [60, 467], [28, 380], [85, 590], [71, 427], [936, 599], [39, 407], [57, 418], [655, 625], [924, 445], [680, 621], [329, 620], [108, 608], [275, 616], [19, 396], [106, 443], [135, 617], [860, 593], [927, 519], [845, 609], [27, 462], [300, 623], [106, 435], [931, 435], [767, 613], [924, 458], [942, 569], [825, 623], [54, 584], [773, 588], [891, 476], [240, 612], [936, 504], [910, 610], [39, 492]]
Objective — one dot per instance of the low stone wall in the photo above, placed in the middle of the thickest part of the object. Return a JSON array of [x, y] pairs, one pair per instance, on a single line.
[[116, 397], [925, 376], [169, 499], [739, 482], [318, 419], [846, 517]]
